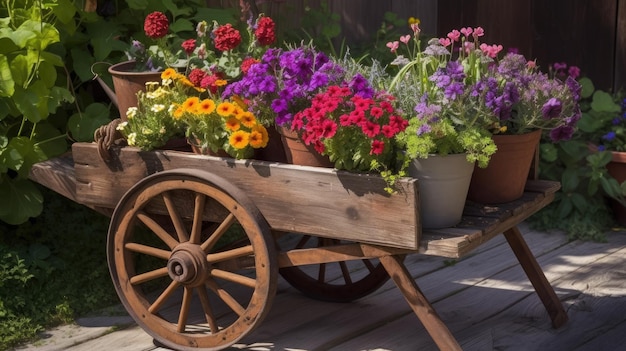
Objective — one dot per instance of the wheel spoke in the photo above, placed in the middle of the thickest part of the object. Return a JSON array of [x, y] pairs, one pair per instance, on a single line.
[[184, 309], [234, 277], [206, 307], [321, 274], [196, 229], [181, 231], [345, 272], [230, 254], [226, 297], [370, 266], [303, 241], [148, 250], [156, 306], [147, 276], [217, 234], [157, 229]]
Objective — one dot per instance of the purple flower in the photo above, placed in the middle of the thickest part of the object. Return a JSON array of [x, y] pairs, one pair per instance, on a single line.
[[561, 133], [609, 136], [552, 108]]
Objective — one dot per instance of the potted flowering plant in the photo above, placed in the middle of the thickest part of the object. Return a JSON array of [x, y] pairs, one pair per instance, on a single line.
[[218, 53]]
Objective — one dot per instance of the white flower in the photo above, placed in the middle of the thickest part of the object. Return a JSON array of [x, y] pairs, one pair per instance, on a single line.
[[157, 108], [131, 138], [162, 131], [146, 130], [172, 108], [131, 112], [122, 125]]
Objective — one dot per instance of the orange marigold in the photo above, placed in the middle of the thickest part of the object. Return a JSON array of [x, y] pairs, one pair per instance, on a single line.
[[239, 139]]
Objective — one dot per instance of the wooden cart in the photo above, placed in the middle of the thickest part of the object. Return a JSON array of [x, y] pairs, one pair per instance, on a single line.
[[215, 233]]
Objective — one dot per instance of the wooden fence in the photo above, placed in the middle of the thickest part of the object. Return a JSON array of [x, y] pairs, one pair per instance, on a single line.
[[590, 34]]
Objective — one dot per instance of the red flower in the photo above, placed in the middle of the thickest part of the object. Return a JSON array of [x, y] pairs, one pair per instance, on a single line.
[[247, 63], [378, 147], [196, 76], [189, 46], [156, 25], [264, 32], [226, 37], [208, 82]]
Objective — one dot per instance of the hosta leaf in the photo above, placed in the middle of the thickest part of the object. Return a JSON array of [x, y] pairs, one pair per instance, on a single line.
[[21, 200]]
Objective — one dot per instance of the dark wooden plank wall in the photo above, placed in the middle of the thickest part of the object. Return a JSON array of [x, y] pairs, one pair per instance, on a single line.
[[590, 34]]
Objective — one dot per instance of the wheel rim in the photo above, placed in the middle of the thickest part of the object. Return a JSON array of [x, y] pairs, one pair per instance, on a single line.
[[190, 282], [356, 279]]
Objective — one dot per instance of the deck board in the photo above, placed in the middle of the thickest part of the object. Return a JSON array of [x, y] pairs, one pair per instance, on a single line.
[[484, 298]]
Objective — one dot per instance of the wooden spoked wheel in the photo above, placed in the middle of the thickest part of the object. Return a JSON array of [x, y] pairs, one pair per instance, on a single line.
[[350, 281], [188, 255]]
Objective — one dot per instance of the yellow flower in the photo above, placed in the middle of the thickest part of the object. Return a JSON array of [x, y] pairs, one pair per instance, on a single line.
[[220, 82], [157, 108], [259, 137], [247, 119], [239, 139], [132, 139], [225, 109], [232, 124], [206, 106], [178, 112], [186, 81], [413, 20], [169, 73], [191, 104]]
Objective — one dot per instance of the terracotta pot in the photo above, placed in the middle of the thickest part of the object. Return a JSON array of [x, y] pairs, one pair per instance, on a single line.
[[298, 153], [505, 177], [617, 170], [275, 150], [128, 83], [443, 186]]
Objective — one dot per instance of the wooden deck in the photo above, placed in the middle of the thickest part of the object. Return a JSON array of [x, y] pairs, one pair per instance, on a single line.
[[485, 299]]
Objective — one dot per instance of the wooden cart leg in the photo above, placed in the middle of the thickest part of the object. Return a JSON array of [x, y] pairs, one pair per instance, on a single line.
[[420, 305], [537, 277]]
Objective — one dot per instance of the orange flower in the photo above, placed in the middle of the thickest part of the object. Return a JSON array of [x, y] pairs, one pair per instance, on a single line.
[[206, 106], [225, 109], [169, 73], [191, 104], [247, 119], [259, 137], [178, 112], [232, 124], [239, 139]]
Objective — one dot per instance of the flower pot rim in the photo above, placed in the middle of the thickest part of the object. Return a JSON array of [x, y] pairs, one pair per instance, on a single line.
[[125, 68]]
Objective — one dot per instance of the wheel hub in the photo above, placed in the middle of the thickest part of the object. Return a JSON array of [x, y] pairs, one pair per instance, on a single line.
[[188, 265]]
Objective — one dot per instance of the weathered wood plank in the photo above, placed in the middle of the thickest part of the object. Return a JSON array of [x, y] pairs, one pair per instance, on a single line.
[[312, 200], [56, 174]]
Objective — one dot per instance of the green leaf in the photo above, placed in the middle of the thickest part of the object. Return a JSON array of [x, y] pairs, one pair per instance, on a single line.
[[549, 152], [579, 202], [603, 102], [21, 200], [83, 126], [49, 141], [30, 103], [569, 180], [6, 44], [137, 4], [587, 87], [45, 34], [58, 96], [182, 25], [21, 37], [7, 84], [20, 69], [22, 155], [64, 11], [565, 207], [52, 58], [47, 74]]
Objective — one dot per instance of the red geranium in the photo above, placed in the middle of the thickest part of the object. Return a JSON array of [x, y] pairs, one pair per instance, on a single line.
[[245, 65], [265, 31], [156, 25], [226, 37], [196, 76]]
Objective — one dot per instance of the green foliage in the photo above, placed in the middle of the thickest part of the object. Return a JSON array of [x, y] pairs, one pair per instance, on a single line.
[[30, 91], [582, 206], [52, 269]]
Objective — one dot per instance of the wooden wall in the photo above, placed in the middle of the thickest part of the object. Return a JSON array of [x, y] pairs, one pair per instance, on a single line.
[[590, 34]]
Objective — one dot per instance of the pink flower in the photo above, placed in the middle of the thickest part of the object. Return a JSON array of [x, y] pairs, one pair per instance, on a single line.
[[405, 39], [189, 45], [415, 27], [531, 64], [454, 35], [393, 46], [466, 31], [479, 32], [445, 42], [156, 25], [491, 50]]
